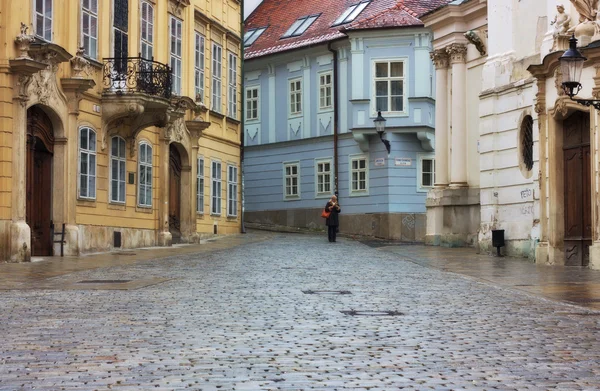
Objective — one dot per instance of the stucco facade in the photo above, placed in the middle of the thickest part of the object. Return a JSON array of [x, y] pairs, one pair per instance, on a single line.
[[86, 91]]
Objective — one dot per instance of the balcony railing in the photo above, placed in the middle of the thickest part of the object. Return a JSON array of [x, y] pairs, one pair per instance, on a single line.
[[136, 74]]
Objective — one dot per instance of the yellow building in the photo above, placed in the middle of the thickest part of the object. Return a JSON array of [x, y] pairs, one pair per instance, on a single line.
[[119, 120]]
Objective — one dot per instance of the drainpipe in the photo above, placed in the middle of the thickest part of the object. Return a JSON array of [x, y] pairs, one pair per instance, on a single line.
[[335, 116]]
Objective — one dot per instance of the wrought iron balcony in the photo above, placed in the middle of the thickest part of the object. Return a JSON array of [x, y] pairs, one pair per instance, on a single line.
[[137, 74]]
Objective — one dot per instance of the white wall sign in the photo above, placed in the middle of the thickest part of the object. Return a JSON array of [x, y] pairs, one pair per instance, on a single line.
[[380, 162], [402, 161]]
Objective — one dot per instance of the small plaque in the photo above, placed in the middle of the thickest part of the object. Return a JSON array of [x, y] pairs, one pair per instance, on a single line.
[[380, 162], [402, 162]]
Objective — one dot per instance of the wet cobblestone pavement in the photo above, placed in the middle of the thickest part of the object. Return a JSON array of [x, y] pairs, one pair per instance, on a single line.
[[238, 319]]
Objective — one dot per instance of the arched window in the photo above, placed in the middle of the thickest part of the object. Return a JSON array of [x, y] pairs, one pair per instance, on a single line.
[[145, 175], [527, 142], [87, 163], [117, 169]]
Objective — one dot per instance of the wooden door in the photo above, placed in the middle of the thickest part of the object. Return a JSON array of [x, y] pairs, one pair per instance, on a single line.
[[40, 144], [577, 190], [175, 194]]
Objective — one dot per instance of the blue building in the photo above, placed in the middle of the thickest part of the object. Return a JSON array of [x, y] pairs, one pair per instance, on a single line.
[[316, 74]]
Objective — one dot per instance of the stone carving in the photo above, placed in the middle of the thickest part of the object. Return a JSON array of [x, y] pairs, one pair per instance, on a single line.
[[24, 41], [474, 38], [176, 130], [586, 28], [439, 58], [586, 9], [540, 104], [558, 82], [80, 64], [561, 21], [457, 52], [23, 82]]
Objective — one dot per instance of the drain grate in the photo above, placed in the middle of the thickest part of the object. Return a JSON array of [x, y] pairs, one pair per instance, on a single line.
[[310, 292], [103, 281], [371, 313]]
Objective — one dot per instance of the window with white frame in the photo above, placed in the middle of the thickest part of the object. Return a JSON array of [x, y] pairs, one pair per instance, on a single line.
[[291, 185], [200, 186], [232, 90], [215, 188], [300, 26], [252, 107], [117, 169], [325, 99], [351, 12], [359, 175], [232, 191], [217, 93], [147, 31], [176, 42], [145, 175], [425, 171], [87, 163], [295, 97], [43, 19], [199, 67], [324, 177], [252, 35], [389, 86], [89, 27]]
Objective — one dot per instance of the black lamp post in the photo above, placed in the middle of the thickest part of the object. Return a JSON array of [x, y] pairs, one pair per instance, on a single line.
[[380, 128], [571, 66]]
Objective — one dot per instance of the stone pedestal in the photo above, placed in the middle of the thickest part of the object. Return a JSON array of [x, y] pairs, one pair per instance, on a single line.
[[452, 217], [595, 256], [542, 253], [165, 239], [20, 242]]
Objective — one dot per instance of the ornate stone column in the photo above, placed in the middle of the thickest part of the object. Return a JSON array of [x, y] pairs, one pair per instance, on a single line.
[[458, 155], [440, 59]]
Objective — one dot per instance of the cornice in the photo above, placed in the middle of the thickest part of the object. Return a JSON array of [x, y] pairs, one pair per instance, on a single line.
[[198, 15]]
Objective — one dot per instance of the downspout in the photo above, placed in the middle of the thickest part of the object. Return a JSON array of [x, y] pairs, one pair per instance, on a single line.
[[335, 116]]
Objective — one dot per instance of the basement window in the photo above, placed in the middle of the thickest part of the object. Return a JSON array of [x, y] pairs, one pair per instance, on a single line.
[[300, 26], [351, 13]]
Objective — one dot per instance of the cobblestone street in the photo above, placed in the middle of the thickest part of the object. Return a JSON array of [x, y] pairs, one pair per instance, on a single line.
[[238, 319]]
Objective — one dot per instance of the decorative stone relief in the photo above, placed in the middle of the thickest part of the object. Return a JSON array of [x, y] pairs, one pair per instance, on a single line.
[[176, 130], [79, 64], [540, 101], [474, 38], [439, 58], [596, 88], [587, 26], [24, 41], [457, 53], [558, 82]]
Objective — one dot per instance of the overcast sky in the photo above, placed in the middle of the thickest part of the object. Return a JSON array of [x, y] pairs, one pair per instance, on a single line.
[[249, 6]]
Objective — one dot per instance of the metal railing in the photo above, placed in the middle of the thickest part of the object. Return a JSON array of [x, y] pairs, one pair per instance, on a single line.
[[136, 74]]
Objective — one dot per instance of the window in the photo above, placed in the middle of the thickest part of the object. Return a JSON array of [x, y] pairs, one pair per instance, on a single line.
[[359, 175], [200, 187], [43, 19], [217, 56], [117, 170], [527, 142], [232, 91], [215, 188], [199, 68], [295, 97], [324, 177], [147, 33], [325, 100], [145, 175], [300, 26], [89, 25], [87, 163], [351, 12], [425, 171], [232, 191], [176, 54], [252, 109], [389, 86], [291, 180], [121, 33], [252, 35]]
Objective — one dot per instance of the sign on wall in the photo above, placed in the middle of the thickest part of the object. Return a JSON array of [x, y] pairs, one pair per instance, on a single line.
[[379, 162], [402, 161]]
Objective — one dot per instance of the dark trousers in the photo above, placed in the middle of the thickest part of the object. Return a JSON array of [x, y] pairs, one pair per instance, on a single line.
[[331, 232]]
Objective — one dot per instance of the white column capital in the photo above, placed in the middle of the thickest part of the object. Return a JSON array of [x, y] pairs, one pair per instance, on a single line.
[[457, 53], [439, 58]]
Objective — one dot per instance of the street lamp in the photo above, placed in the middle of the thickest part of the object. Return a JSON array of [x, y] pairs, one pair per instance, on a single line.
[[571, 66], [380, 128]]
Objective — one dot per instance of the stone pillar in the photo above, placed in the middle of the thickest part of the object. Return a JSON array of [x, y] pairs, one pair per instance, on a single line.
[[440, 59], [458, 158], [164, 236]]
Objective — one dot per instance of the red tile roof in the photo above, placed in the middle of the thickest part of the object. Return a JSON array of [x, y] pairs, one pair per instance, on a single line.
[[279, 15]]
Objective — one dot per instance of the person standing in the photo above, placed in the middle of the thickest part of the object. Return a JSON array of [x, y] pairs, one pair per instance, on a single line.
[[332, 221]]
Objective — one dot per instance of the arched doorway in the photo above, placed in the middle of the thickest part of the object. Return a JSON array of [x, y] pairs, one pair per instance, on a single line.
[[577, 189], [40, 150], [175, 167]]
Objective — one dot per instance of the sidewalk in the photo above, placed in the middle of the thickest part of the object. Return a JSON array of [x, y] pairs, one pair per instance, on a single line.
[[571, 284]]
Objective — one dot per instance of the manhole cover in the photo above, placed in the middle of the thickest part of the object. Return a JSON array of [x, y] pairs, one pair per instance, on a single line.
[[104, 282], [371, 313], [309, 292]]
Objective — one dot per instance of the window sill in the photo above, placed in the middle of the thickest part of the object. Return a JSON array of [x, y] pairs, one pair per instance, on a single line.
[[144, 209], [251, 121], [200, 215], [391, 114], [292, 198], [424, 189], [359, 194], [232, 218], [294, 116], [115, 206], [86, 202], [217, 114], [233, 120], [323, 196], [325, 110]]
